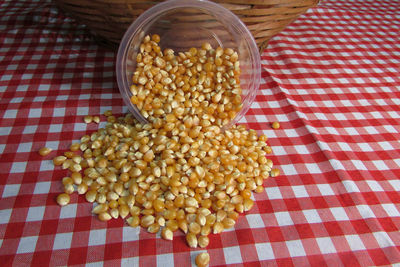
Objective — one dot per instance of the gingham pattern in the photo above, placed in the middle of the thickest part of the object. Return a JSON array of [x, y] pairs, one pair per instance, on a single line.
[[332, 79]]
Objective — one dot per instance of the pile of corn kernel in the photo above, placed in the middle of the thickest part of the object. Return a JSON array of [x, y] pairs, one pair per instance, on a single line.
[[180, 171]]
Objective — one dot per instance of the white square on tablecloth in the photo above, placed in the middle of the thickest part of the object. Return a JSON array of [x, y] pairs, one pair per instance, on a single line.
[[301, 149], [53, 144], [65, 86], [350, 186], [351, 131], [261, 118], [96, 264], [35, 113], [264, 251], [87, 97], [274, 104], [62, 97], [24, 147], [395, 184], [290, 132], [15, 99], [377, 115], [332, 130], [325, 245], [310, 103], [255, 221], [62, 241], [355, 242], [273, 192], [278, 150], [80, 127], [312, 216], [312, 167], [2, 147], [255, 105], [18, 167], [106, 85], [5, 77], [35, 214], [130, 233], [10, 114], [97, 237], [365, 147], [383, 239], [340, 116], [371, 130], [39, 99], [337, 165], [232, 255], [325, 189], [44, 87], [46, 165], [22, 88], [329, 103], [87, 85], [295, 248], [58, 112], [27, 244], [67, 75], [133, 261], [391, 210], [344, 146], [165, 260], [42, 188], [359, 164], [300, 191], [283, 218], [394, 114], [390, 128], [5, 216], [386, 145], [288, 169], [30, 129], [68, 211], [11, 190], [320, 116], [302, 91], [375, 186], [32, 66], [364, 102], [55, 128], [365, 211], [83, 111], [339, 213]]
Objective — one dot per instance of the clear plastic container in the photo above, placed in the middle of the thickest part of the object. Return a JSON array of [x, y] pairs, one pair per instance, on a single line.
[[182, 24]]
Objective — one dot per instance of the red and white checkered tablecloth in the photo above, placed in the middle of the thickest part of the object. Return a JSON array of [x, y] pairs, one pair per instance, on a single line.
[[332, 80]]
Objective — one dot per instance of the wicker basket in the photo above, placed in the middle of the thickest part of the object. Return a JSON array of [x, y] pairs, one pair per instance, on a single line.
[[109, 19]]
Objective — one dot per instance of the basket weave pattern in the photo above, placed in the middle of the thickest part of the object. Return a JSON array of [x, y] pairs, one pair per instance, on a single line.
[[109, 19]]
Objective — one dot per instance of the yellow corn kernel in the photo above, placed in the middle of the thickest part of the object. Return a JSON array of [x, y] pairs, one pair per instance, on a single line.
[[104, 216], [202, 259], [59, 160], [44, 151], [203, 241], [133, 221], [191, 240], [63, 199]]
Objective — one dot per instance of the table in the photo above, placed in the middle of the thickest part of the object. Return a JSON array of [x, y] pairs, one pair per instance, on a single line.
[[332, 80]]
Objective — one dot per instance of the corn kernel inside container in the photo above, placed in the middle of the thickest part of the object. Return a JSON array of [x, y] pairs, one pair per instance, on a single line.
[[201, 84], [179, 172]]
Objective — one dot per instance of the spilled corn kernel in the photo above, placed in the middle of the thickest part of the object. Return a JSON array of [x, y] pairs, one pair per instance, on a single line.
[[202, 259], [44, 151]]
